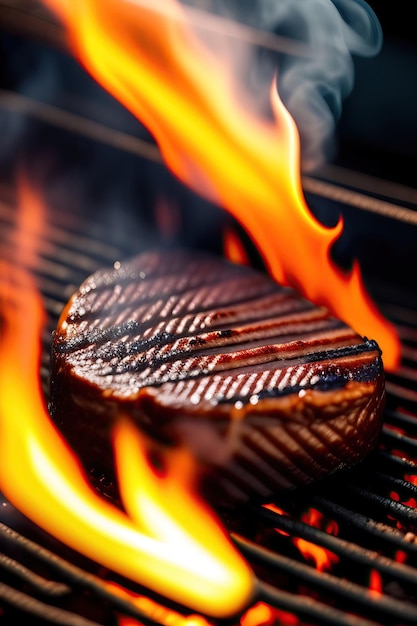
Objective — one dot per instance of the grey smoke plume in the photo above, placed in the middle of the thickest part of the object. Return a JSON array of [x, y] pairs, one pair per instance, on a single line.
[[313, 85]]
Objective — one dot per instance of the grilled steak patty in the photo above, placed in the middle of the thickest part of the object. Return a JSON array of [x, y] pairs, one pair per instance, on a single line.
[[268, 390]]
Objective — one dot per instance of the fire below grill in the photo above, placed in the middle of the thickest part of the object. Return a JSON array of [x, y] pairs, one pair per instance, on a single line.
[[343, 552]]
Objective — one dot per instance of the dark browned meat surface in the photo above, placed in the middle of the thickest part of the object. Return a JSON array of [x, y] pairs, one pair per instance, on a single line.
[[268, 390]]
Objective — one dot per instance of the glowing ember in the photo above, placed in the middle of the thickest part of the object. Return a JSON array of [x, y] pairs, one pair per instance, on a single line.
[[167, 540], [276, 509], [411, 502], [401, 556], [146, 56], [258, 615], [375, 584], [411, 478], [322, 558], [262, 614]]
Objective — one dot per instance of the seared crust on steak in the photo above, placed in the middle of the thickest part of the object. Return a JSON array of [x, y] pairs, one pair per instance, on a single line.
[[268, 390]]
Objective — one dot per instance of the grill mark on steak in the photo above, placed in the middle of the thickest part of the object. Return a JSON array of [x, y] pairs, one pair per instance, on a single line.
[[168, 297], [218, 359], [290, 331], [284, 330], [321, 373], [266, 298]]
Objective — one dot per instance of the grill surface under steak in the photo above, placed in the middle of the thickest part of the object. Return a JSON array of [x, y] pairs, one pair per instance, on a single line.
[[256, 380]]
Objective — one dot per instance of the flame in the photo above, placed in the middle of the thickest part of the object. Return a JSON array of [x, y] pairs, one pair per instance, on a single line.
[[233, 247], [167, 540], [145, 55], [258, 615], [155, 611], [262, 614], [276, 509], [321, 557]]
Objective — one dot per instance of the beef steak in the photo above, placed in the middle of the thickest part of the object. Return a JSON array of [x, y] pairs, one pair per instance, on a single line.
[[268, 390]]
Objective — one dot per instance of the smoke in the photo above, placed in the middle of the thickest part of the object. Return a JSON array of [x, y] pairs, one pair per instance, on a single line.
[[313, 83], [28, 72], [317, 40]]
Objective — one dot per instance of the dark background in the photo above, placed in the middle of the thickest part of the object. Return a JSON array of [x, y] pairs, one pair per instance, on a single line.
[[378, 127], [377, 131]]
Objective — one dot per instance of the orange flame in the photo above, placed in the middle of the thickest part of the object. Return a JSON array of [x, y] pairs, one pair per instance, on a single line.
[[321, 557], [262, 614], [158, 613], [233, 247], [168, 539], [276, 509], [143, 53]]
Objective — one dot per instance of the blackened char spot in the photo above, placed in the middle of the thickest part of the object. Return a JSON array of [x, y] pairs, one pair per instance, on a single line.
[[337, 353], [98, 336], [225, 333]]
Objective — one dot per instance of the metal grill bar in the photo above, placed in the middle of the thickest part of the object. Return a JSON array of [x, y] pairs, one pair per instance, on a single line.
[[351, 593], [398, 440], [358, 199], [381, 532], [310, 609], [73, 575], [401, 512], [38, 582], [395, 463], [36, 609], [342, 548]]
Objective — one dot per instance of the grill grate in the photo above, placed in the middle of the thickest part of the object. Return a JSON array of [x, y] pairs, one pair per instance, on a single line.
[[373, 506], [69, 578]]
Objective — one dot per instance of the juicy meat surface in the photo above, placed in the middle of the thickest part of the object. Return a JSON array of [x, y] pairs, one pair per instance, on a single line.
[[268, 390]]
